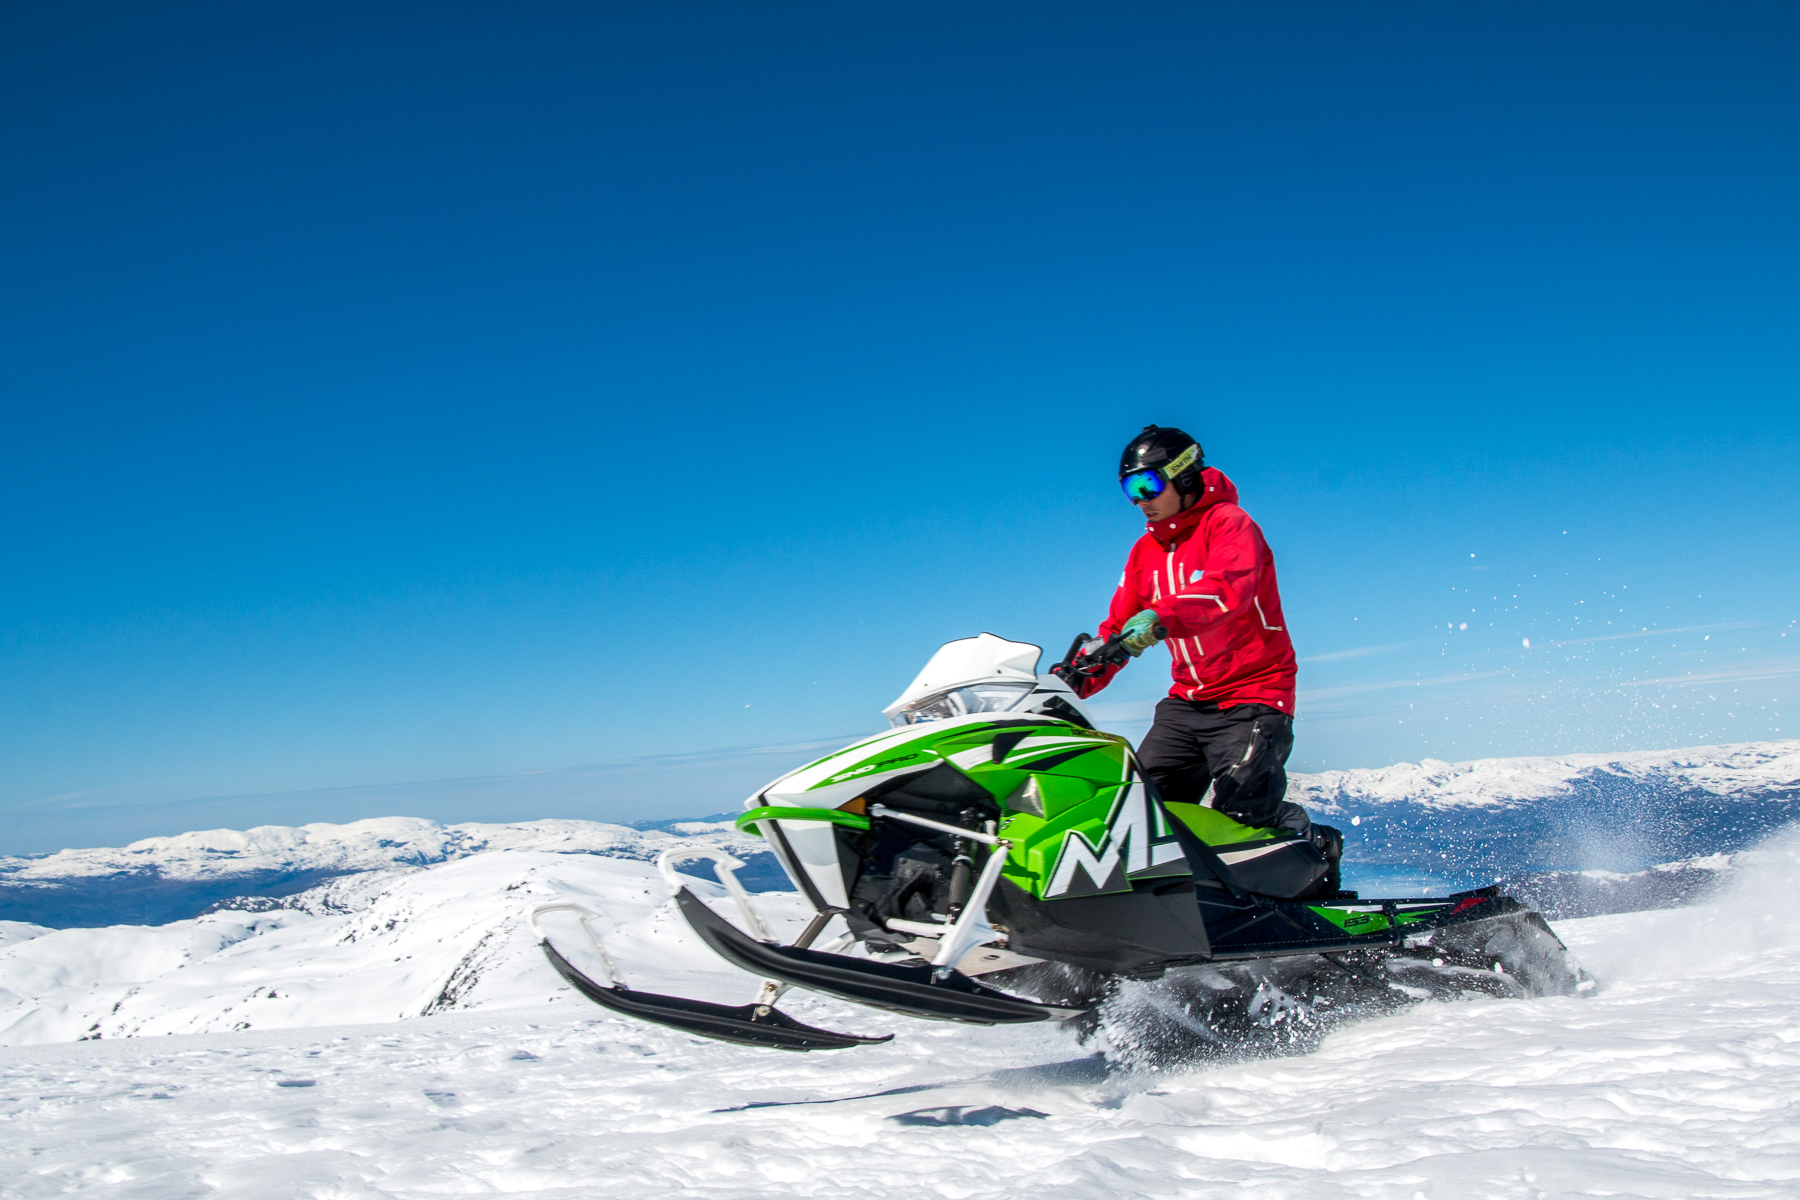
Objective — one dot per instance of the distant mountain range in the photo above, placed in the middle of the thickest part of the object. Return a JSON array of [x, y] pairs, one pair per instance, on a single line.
[[1481, 820], [1499, 817], [164, 879]]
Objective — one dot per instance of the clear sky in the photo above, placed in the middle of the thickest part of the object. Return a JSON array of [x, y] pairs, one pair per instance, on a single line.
[[496, 411]]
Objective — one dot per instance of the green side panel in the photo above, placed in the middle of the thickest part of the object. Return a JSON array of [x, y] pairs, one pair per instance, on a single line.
[[1215, 828], [1103, 764], [1065, 793], [1038, 840], [1056, 793], [999, 781]]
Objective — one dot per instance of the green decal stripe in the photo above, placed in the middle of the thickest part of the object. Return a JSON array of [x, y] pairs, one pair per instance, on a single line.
[[1352, 922], [779, 812], [906, 746], [910, 744]]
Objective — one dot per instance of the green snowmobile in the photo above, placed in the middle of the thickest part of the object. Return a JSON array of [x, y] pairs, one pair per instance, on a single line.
[[994, 858]]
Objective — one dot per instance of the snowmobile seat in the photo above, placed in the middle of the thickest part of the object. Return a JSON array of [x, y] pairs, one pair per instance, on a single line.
[[1264, 862]]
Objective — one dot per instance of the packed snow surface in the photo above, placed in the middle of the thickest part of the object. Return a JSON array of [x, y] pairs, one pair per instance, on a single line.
[[1679, 1077]]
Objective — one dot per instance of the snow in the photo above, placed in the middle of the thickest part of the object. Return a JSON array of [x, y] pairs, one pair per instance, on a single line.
[[1679, 1078], [19, 931]]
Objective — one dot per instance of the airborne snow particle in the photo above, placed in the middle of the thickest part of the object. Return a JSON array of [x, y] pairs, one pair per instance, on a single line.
[[1528, 643], [1464, 625]]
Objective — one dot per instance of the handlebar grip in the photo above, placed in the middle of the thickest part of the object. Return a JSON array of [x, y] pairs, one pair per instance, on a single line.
[[1109, 653]]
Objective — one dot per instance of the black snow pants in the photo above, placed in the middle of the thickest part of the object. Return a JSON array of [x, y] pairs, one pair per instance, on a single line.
[[1241, 751]]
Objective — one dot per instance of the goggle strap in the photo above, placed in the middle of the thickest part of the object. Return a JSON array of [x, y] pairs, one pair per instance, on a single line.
[[1181, 462]]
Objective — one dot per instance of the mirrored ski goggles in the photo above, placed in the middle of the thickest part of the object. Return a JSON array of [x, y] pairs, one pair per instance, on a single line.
[[1144, 485], [1151, 482]]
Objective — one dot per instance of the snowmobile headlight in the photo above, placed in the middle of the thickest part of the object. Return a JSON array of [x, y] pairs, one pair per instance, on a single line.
[[960, 702]]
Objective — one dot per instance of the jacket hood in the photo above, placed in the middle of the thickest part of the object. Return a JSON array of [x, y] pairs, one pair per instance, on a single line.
[[1219, 490]]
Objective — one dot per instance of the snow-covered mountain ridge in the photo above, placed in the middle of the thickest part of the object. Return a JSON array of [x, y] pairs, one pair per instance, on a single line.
[[358, 846], [1476, 821], [172, 878]]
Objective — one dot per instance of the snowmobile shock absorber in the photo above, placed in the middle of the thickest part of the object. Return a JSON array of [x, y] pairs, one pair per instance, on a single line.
[[961, 869]]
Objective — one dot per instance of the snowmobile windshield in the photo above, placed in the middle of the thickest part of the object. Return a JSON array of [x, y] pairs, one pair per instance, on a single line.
[[962, 701]]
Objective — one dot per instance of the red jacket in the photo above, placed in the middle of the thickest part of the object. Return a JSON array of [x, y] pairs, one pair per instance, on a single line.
[[1211, 579]]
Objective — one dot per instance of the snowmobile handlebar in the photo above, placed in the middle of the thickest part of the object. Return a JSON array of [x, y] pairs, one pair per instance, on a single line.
[[1110, 653]]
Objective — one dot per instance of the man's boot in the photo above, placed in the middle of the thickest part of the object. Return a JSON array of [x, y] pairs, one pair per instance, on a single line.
[[1330, 842]]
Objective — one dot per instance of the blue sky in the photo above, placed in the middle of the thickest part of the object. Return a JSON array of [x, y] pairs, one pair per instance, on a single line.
[[596, 406]]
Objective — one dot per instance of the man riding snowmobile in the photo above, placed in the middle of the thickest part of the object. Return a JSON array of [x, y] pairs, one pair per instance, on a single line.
[[993, 857], [1203, 578]]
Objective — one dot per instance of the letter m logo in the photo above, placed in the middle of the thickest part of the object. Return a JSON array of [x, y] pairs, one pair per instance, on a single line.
[[1099, 864], [1129, 847]]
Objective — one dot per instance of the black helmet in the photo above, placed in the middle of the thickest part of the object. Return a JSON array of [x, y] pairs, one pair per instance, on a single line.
[[1170, 453]]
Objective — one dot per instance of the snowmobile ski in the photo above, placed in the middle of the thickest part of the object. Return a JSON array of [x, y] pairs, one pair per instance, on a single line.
[[915, 990], [745, 1024], [758, 1023]]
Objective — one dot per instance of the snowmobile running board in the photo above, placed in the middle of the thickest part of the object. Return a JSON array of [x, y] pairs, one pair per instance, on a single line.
[[758, 1023], [915, 991]]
